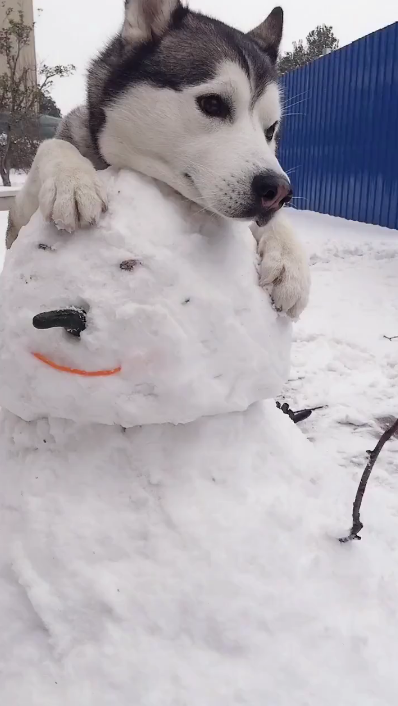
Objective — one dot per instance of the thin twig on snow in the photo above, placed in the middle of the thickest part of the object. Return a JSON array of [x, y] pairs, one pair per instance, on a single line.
[[373, 455]]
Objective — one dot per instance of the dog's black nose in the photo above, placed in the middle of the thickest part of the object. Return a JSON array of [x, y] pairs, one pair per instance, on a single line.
[[72, 320], [272, 190]]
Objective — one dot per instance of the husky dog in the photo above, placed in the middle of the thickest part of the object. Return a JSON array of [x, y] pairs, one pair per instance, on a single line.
[[193, 103]]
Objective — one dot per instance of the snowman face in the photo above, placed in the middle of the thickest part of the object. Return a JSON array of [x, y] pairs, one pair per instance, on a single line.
[[121, 331], [73, 321], [141, 320]]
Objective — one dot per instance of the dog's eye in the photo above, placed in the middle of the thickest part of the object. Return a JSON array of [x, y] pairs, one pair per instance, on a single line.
[[214, 106], [269, 134]]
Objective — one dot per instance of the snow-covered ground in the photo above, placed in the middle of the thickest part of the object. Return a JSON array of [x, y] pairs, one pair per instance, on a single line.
[[217, 579], [340, 356], [17, 179]]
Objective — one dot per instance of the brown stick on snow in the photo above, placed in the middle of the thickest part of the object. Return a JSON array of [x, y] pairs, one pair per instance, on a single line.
[[373, 455]]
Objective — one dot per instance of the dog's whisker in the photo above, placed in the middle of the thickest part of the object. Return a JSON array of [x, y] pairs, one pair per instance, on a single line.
[[293, 169], [293, 105], [297, 95]]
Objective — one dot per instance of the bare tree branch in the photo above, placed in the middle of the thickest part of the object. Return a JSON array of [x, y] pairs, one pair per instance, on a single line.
[[357, 525]]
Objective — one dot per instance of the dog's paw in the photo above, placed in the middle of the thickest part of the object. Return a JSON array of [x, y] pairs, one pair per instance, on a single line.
[[73, 199], [284, 268]]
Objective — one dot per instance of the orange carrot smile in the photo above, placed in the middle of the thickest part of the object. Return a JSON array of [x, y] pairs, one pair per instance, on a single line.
[[76, 371]]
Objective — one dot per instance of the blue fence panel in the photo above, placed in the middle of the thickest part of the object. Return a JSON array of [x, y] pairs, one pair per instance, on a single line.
[[339, 141]]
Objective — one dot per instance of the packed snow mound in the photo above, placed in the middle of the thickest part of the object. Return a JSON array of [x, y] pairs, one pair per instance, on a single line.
[[174, 315], [188, 564]]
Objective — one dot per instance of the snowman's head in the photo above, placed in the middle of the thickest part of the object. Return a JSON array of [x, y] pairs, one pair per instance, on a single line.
[[144, 319]]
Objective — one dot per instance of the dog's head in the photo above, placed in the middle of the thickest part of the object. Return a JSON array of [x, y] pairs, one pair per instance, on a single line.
[[194, 103]]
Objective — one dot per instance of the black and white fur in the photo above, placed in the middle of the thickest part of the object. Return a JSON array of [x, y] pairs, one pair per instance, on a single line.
[[189, 101]]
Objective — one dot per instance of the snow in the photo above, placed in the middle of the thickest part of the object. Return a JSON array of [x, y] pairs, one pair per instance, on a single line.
[[340, 356], [9, 190], [17, 179], [177, 565]]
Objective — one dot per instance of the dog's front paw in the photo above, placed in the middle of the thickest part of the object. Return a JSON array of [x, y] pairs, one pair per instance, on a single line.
[[284, 268], [73, 199]]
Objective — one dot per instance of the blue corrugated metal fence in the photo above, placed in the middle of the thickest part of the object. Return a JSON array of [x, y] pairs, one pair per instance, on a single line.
[[339, 141]]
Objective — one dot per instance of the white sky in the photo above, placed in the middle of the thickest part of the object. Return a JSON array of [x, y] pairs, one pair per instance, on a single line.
[[72, 31]]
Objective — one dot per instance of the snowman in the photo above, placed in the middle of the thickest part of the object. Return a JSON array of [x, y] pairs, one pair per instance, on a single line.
[[141, 320], [161, 527]]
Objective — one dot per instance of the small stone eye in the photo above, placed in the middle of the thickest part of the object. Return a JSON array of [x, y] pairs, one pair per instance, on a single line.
[[129, 265]]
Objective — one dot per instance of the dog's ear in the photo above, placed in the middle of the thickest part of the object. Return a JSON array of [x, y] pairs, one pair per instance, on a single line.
[[269, 33], [147, 19]]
